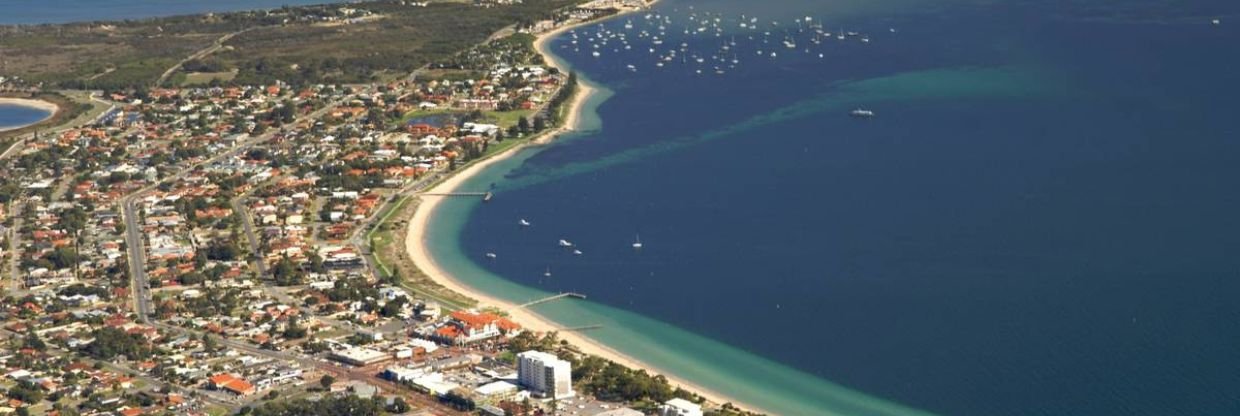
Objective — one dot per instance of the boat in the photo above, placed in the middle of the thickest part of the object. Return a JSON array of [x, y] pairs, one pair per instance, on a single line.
[[861, 113], [565, 243], [576, 252], [548, 272], [491, 255], [1216, 22], [524, 223], [637, 245]]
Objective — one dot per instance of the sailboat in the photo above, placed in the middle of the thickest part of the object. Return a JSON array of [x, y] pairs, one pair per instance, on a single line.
[[637, 245]]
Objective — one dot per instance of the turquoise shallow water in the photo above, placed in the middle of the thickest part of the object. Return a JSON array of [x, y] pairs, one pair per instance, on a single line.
[[714, 365], [749, 378], [1038, 222]]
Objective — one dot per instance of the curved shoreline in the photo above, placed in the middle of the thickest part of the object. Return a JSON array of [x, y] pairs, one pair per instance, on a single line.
[[50, 108], [416, 238]]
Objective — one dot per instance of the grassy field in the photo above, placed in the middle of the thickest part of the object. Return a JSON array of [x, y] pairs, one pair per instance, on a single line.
[[204, 78], [505, 119], [387, 241]]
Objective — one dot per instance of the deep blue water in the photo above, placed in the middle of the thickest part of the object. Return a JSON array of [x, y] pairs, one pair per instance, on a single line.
[[62, 11], [14, 116], [1041, 220]]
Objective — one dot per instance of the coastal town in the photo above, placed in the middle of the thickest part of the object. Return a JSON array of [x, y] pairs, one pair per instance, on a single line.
[[230, 248]]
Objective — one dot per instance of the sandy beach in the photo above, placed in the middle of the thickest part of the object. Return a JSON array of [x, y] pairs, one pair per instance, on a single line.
[[416, 243], [50, 108]]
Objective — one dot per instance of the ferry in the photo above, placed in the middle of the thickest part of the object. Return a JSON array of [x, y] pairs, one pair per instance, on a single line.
[[861, 113]]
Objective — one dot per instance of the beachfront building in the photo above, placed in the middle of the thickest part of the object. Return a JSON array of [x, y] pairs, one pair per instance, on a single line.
[[545, 374], [680, 407], [466, 327]]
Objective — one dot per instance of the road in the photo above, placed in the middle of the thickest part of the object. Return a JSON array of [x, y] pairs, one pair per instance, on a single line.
[[15, 238], [19, 144], [340, 373], [215, 46], [133, 236], [247, 224]]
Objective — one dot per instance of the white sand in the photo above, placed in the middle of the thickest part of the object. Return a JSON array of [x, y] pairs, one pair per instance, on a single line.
[[416, 243]]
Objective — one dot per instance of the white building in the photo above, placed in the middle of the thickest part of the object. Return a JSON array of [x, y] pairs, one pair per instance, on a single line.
[[679, 407], [545, 374]]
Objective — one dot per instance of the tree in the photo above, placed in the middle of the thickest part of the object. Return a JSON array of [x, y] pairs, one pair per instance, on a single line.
[[399, 406], [208, 343], [33, 341], [112, 342], [62, 257], [326, 381], [523, 125], [286, 273]]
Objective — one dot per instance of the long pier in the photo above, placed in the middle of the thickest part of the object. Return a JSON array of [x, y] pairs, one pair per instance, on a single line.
[[551, 298]]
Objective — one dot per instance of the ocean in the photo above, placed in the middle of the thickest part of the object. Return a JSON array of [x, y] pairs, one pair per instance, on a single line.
[[1039, 219], [16, 116], [62, 11]]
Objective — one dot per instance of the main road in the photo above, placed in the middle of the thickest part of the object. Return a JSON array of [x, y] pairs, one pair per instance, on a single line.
[[133, 236]]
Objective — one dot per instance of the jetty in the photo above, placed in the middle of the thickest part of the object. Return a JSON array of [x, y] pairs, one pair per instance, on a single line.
[[551, 298]]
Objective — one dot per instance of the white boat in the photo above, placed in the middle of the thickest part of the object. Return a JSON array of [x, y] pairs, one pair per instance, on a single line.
[[576, 252], [548, 272], [491, 255], [861, 113], [596, 54], [524, 223], [638, 243], [565, 243], [1216, 22]]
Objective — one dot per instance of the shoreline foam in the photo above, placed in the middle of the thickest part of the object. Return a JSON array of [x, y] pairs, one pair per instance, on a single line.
[[416, 244], [50, 108]]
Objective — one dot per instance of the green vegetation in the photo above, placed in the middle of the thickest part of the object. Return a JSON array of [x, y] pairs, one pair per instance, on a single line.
[[328, 406], [291, 44], [112, 342]]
